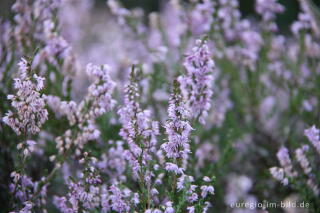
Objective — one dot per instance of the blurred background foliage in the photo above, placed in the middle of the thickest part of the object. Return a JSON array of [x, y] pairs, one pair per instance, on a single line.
[[246, 6]]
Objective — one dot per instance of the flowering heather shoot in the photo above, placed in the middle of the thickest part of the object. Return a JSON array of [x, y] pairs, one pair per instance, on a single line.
[[162, 106]]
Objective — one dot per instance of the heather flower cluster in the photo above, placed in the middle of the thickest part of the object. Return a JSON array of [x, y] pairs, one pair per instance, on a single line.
[[82, 117], [196, 85], [178, 129], [138, 130], [306, 177], [159, 106], [30, 112]]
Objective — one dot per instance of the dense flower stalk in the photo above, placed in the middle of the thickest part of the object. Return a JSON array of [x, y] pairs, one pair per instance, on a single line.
[[97, 102], [99, 97], [30, 112], [138, 130], [24, 189], [196, 85], [178, 130], [83, 194], [30, 17]]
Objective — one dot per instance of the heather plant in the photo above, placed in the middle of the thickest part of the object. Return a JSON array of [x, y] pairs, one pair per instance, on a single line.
[[192, 108], [301, 174]]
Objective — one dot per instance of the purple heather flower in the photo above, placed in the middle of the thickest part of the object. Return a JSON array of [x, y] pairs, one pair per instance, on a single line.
[[201, 17], [191, 192], [306, 7], [303, 23], [99, 92], [285, 161], [113, 163], [171, 167], [30, 18], [218, 115], [169, 208], [178, 130], [30, 113], [97, 102], [193, 197], [181, 182], [117, 199], [61, 204], [252, 42], [229, 15], [196, 84], [173, 22], [268, 10], [28, 147], [313, 135], [137, 128], [302, 159], [81, 194], [28, 206], [205, 190], [206, 179]]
